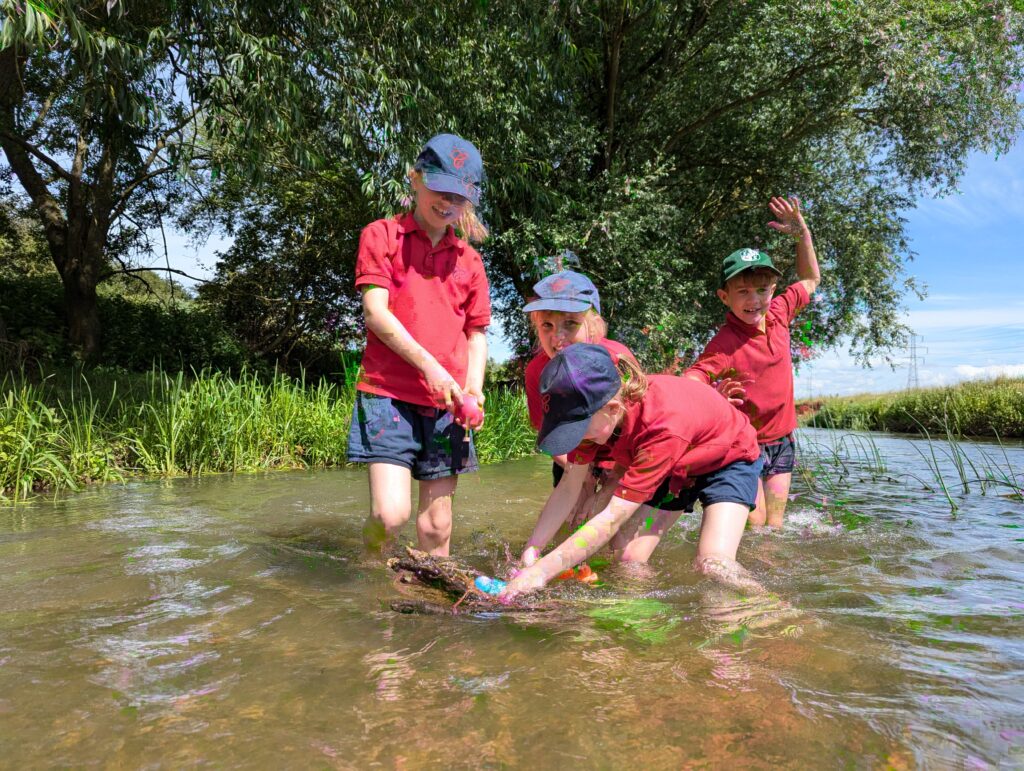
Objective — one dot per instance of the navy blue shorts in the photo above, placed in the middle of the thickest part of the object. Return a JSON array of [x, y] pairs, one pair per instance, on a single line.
[[426, 440], [778, 456], [735, 483]]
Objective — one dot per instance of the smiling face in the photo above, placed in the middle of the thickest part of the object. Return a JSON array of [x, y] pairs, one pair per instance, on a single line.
[[749, 295], [558, 329], [436, 211]]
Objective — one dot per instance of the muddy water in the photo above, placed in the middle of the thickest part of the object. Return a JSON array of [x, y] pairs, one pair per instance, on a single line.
[[232, 621]]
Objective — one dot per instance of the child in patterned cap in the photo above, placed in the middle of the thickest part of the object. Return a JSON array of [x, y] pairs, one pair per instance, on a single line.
[[426, 305]]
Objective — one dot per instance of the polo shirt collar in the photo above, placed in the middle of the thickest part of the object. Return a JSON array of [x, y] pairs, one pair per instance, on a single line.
[[750, 330], [408, 224]]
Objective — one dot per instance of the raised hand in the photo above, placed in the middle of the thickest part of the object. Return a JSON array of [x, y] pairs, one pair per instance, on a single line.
[[788, 218]]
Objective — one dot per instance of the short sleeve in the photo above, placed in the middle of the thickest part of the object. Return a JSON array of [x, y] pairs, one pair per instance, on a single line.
[[789, 303], [373, 260], [478, 302], [713, 363], [652, 463], [532, 386]]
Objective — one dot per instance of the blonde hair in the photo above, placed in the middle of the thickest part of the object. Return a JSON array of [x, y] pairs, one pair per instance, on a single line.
[[596, 326], [468, 226], [634, 380]]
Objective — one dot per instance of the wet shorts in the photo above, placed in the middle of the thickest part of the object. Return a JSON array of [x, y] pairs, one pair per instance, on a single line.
[[425, 440], [779, 456], [735, 483]]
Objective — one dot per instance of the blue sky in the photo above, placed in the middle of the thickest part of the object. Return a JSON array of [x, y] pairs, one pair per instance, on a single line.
[[970, 256]]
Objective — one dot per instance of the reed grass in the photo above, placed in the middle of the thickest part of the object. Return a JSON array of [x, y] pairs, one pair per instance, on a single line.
[[976, 408], [61, 432]]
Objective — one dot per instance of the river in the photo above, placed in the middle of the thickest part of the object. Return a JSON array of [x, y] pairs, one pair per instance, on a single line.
[[233, 621]]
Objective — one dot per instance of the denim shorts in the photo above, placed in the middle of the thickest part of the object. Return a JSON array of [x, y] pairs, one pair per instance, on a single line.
[[426, 440], [779, 456], [735, 483]]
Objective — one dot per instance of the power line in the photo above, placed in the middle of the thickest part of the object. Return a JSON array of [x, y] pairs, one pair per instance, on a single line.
[[913, 381]]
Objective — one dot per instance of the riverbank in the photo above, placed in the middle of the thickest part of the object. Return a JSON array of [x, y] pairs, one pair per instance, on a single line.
[[988, 408], [74, 429]]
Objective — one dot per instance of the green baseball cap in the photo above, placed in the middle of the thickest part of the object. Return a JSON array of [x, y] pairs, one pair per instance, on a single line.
[[746, 259]]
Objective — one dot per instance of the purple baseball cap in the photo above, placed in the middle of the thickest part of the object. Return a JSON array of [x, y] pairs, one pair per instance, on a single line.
[[566, 291], [450, 164], [574, 385]]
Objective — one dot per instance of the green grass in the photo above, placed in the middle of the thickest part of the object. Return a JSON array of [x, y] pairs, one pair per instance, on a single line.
[[72, 428], [979, 408]]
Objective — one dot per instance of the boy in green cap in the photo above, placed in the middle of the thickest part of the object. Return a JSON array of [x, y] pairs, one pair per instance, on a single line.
[[753, 346]]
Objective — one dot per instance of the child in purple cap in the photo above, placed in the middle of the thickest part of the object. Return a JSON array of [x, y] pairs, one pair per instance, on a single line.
[[677, 439], [426, 305], [567, 310]]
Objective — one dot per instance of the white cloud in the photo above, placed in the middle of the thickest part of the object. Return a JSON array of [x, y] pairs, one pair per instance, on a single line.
[[995, 370], [992, 191]]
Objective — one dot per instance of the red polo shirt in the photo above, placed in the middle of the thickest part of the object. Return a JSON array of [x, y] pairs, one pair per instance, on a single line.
[[681, 429], [763, 359], [536, 366], [437, 292]]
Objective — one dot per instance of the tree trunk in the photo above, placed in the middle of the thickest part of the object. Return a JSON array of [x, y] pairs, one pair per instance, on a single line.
[[80, 278]]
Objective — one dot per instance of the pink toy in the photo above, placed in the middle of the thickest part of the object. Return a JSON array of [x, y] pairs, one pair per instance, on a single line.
[[468, 413]]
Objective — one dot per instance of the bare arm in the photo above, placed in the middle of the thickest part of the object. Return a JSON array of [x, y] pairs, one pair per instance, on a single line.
[[791, 222], [558, 507], [578, 547], [477, 340], [386, 326]]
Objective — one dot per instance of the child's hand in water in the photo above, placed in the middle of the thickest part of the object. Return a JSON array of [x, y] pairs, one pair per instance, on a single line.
[[530, 555], [527, 580]]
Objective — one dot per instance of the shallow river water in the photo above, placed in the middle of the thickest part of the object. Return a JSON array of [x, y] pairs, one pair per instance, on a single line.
[[232, 621]]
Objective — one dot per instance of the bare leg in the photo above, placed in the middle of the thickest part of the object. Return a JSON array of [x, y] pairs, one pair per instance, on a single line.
[[776, 496], [434, 523], [720, 533], [390, 504], [760, 513], [638, 538]]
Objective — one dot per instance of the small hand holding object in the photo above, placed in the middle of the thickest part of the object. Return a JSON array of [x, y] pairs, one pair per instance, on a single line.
[[442, 385], [527, 581], [468, 412], [788, 220]]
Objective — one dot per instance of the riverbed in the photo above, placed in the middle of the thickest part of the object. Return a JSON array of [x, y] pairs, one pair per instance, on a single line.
[[233, 621]]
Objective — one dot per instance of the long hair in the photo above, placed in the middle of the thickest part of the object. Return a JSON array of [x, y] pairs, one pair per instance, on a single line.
[[634, 381], [468, 227]]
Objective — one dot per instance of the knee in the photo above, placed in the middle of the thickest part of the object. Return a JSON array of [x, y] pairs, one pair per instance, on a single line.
[[389, 515], [757, 517], [437, 519]]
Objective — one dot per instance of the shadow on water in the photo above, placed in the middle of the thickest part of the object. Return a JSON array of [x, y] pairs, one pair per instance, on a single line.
[[235, 621]]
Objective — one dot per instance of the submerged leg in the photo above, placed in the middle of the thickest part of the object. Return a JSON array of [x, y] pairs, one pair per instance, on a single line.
[[434, 523], [720, 533], [775, 497], [390, 504]]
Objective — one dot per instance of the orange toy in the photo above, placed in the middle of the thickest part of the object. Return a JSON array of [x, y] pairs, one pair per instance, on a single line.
[[583, 574]]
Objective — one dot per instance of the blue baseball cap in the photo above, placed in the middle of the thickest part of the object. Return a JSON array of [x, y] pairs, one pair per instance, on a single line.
[[574, 385], [450, 164], [566, 291]]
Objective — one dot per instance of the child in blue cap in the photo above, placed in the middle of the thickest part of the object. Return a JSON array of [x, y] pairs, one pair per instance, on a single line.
[[672, 435], [426, 305], [567, 310]]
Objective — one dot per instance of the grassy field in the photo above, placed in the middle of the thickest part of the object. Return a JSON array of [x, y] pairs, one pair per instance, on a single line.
[[976, 408], [72, 429]]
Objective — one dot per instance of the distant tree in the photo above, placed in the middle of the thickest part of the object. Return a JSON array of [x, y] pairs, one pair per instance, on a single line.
[[106, 112]]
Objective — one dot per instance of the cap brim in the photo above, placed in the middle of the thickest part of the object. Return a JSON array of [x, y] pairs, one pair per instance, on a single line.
[[563, 438], [440, 182], [556, 304]]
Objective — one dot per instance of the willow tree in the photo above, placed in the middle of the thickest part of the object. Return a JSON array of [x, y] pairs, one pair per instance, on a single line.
[[106, 109]]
